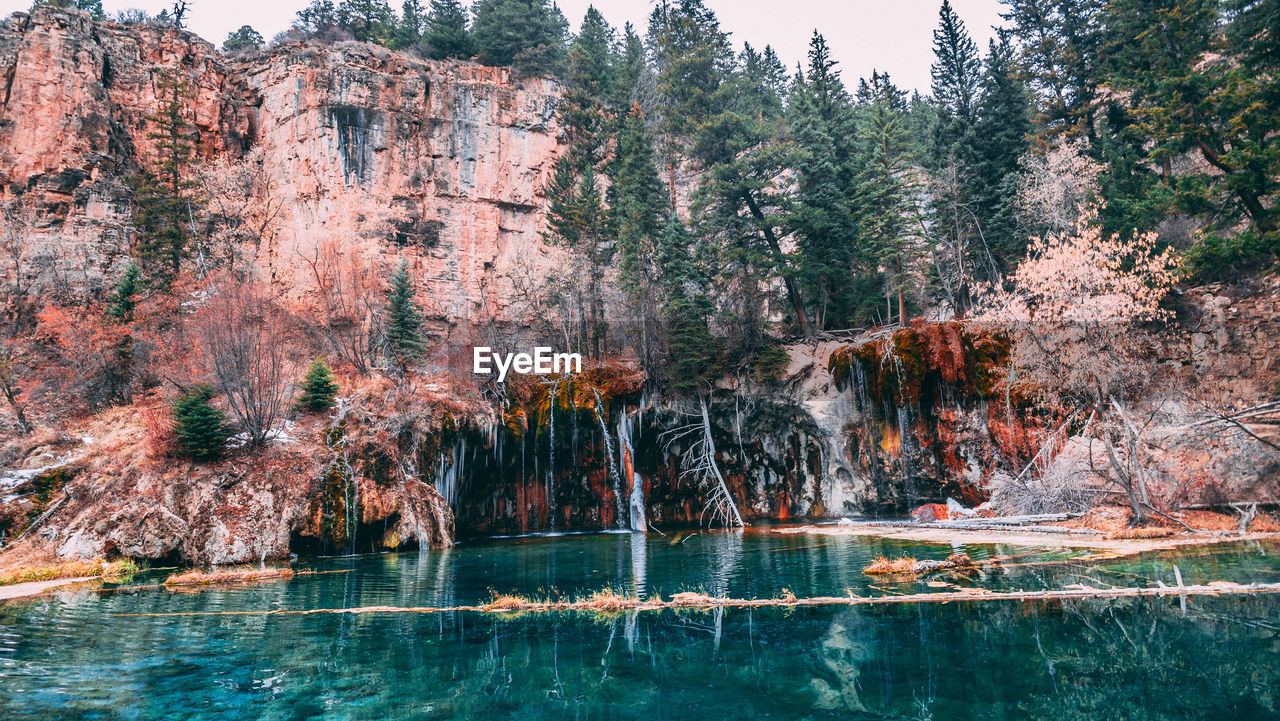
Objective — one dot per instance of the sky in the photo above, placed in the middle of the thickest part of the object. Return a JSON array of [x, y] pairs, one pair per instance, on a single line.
[[864, 35]]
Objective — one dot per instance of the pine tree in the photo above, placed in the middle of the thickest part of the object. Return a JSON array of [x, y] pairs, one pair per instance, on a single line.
[[318, 389], [1002, 130], [823, 127], [200, 430], [1211, 88], [446, 34], [369, 21], [163, 208], [528, 35], [246, 38], [123, 299], [957, 75], [1060, 43], [889, 221], [412, 23], [403, 321], [590, 77], [637, 205]]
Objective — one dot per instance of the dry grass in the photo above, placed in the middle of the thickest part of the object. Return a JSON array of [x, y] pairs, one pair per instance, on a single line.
[[69, 569], [883, 565], [240, 574], [1143, 532]]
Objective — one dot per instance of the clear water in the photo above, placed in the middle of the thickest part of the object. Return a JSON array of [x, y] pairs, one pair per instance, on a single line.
[[70, 656]]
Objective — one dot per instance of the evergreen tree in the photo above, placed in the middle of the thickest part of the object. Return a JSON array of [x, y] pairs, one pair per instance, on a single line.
[[446, 34], [1060, 43], [200, 430], [693, 57], [317, 17], [246, 38], [318, 389], [162, 205], [369, 21], [635, 84], [1002, 130], [576, 219], [123, 299], [823, 127], [638, 207], [412, 24], [693, 352], [957, 74], [1200, 87], [403, 321], [528, 35], [889, 220], [590, 77]]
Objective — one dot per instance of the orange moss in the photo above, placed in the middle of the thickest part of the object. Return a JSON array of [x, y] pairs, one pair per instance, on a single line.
[[969, 357]]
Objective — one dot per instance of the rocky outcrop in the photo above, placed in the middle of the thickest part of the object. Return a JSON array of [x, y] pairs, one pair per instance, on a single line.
[[454, 153], [107, 492]]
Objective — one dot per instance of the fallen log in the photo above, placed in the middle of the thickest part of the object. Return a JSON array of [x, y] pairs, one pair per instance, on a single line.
[[612, 603]]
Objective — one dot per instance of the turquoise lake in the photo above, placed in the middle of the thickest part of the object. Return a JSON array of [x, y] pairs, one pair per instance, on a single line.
[[72, 655]]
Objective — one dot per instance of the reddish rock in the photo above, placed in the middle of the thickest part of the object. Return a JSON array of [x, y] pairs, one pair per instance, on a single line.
[[930, 512]]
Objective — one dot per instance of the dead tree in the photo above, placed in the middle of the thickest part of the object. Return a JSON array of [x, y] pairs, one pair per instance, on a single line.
[[244, 336], [698, 462]]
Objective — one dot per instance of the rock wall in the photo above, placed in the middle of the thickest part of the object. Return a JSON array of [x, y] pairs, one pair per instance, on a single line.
[[455, 153]]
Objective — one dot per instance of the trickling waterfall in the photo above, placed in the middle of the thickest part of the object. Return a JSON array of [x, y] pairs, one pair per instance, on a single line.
[[610, 461], [629, 473], [551, 475], [448, 474], [337, 444]]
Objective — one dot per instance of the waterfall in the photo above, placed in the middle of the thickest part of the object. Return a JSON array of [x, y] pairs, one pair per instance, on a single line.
[[341, 460], [627, 469], [447, 474], [551, 475], [609, 461]]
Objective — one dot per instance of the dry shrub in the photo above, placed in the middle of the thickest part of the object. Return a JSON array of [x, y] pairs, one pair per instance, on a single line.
[[610, 600], [157, 426], [507, 602], [883, 565], [691, 598], [69, 569], [1142, 532], [1053, 491], [239, 574]]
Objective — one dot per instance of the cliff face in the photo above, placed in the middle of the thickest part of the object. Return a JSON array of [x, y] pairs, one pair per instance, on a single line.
[[453, 154]]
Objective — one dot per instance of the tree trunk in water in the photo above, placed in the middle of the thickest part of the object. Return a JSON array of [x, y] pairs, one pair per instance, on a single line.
[[731, 508]]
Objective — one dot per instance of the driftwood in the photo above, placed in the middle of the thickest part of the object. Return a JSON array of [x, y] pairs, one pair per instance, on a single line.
[[42, 518]]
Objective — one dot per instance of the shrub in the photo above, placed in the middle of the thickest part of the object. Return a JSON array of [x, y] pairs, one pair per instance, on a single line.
[[318, 388], [200, 430]]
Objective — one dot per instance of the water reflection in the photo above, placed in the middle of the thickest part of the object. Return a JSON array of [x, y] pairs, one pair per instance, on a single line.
[[71, 657]]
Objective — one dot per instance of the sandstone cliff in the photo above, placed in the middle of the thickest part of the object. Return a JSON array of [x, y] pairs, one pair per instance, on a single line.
[[456, 153]]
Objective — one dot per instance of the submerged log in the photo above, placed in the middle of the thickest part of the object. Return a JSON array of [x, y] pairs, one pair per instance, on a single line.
[[613, 603]]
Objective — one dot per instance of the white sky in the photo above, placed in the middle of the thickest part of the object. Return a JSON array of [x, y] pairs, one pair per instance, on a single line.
[[887, 35]]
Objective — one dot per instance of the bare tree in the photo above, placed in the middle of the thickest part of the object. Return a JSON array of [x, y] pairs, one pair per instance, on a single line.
[[349, 295], [242, 210], [698, 463], [244, 335], [17, 220]]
